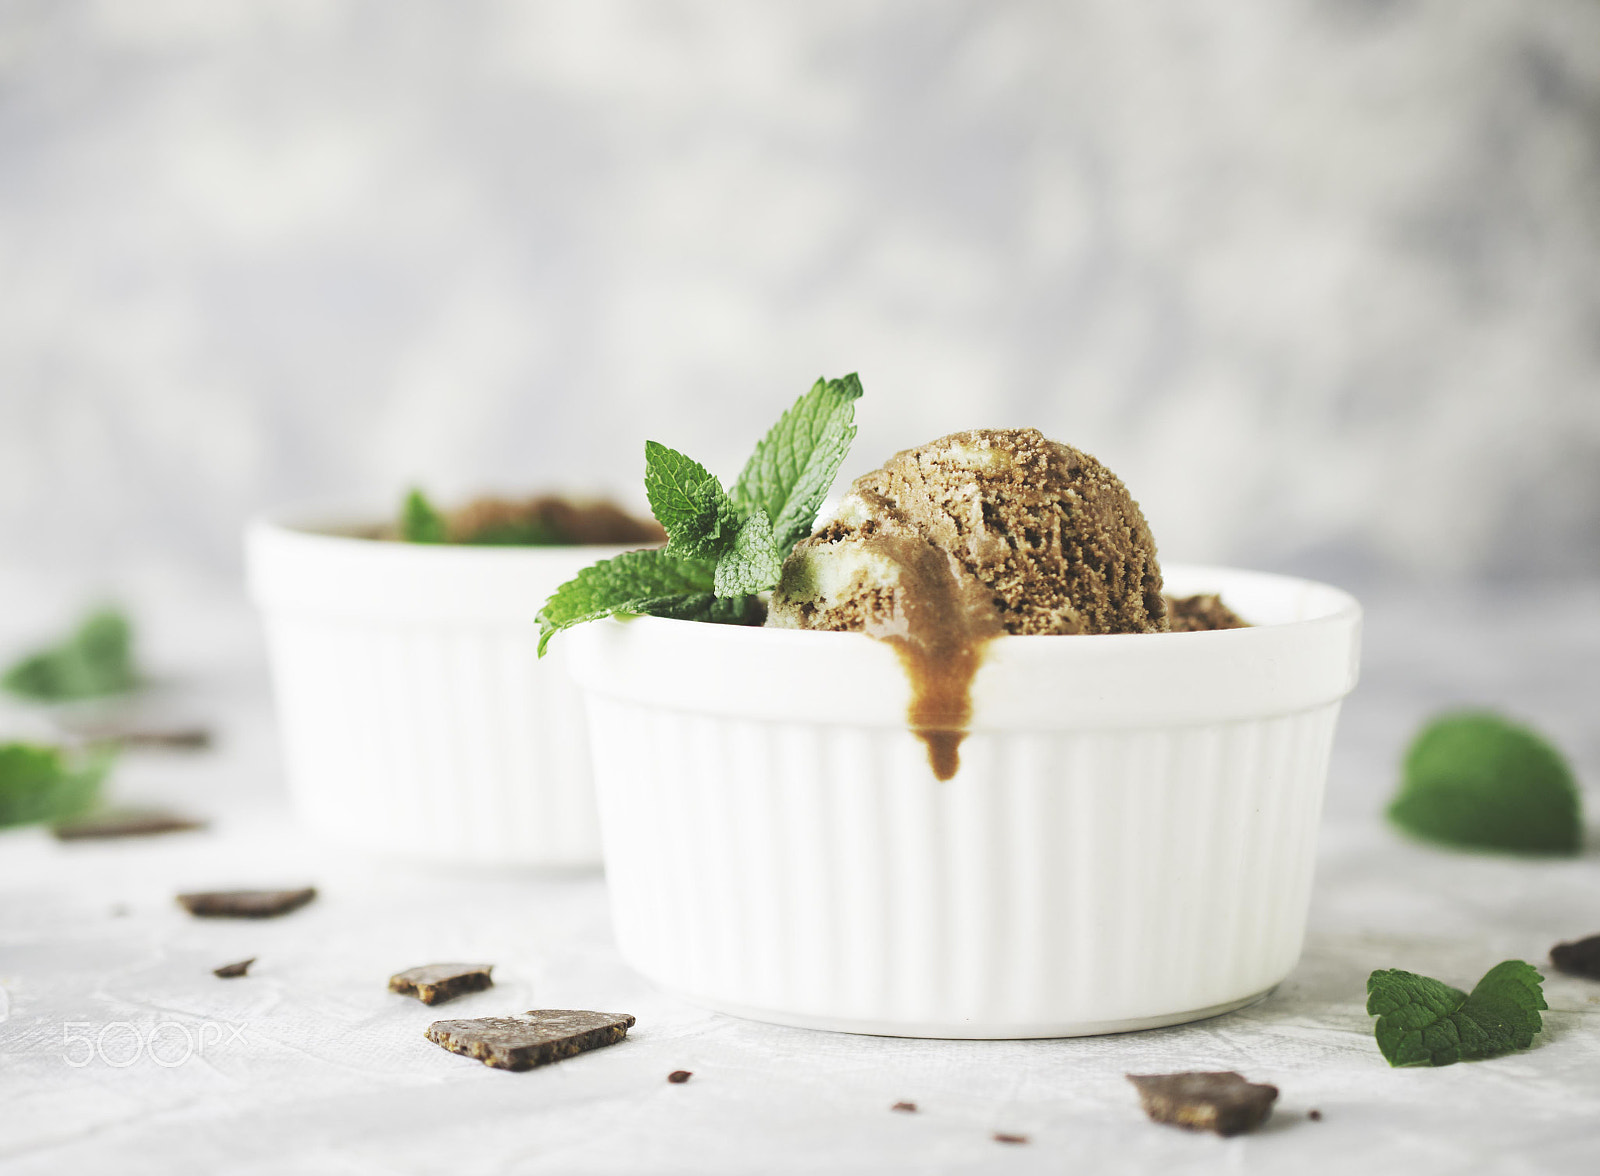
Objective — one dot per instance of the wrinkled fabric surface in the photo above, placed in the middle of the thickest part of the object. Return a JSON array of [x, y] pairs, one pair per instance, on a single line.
[[119, 1051]]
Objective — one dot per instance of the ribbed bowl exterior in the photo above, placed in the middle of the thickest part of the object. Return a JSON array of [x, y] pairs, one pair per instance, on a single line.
[[417, 719], [1145, 866], [1063, 883], [451, 743]]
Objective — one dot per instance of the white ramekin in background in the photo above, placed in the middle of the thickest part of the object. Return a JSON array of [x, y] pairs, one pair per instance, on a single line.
[[1129, 842], [417, 718]]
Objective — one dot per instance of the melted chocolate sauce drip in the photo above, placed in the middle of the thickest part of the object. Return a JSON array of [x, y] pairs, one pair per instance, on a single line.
[[941, 624]]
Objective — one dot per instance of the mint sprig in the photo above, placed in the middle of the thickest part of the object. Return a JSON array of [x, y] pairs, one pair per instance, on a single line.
[[723, 550], [1476, 780], [1424, 1022], [97, 659], [421, 521], [39, 783]]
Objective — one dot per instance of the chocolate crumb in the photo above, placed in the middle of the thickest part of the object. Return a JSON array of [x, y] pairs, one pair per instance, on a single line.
[[1002, 1137], [1314, 1115], [437, 983], [124, 823], [229, 971], [679, 1077], [1579, 958], [1224, 1102], [173, 738], [245, 904], [1201, 614], [909, 1108], [535, 1038]]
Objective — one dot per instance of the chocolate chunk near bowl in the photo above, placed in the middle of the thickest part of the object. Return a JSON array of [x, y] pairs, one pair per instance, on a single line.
[[233, 971], [1221, 1101], [437, 983], [245, 904], [113, 823], [1578, 958], [536, 1038]]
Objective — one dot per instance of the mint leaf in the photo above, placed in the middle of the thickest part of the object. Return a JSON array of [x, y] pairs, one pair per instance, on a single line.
[[754, 561], [689, 502], [1423, 1022], [96, 660], [704, 606], [1476, 780], [626, 583], [44, 784], [792, 468], [421, 521]]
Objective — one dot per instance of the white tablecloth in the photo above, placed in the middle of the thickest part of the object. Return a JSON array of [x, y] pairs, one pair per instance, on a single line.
[[120, 1051]]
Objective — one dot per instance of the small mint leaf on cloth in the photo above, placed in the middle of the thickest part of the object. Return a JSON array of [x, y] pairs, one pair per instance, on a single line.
[[1478, 781], [421, 521], [1423, 1022], [792, 468], [97, 659], [633, 582], [40, 783], [753, 563], [689, 502]]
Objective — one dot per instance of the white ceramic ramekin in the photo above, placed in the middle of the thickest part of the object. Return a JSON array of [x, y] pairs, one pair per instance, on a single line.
[[417, 718], [1129, 842]]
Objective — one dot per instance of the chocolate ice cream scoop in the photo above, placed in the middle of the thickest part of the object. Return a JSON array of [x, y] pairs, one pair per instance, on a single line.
[[965, 538]]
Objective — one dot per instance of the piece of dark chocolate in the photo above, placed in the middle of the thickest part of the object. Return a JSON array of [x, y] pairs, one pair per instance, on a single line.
[[124, 823], [245, 904], [229, 971], [1224, 1102], [1578, 958], [679, 1077], [436, 983], [1314, 1115], [909, 1108], [536, 1038], [173, 738], [1003, 1137]]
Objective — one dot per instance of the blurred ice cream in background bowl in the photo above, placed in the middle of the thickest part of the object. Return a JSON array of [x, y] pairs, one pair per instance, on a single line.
[[417, 720]]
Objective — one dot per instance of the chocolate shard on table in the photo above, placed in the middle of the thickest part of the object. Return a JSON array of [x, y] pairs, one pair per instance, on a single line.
[[159, 738], [245, 904], [536, 1038], [436, 983], [231, 971], [679, 1077], [1578, 958], [1221, 1101], [111, 823], [909, 1108]]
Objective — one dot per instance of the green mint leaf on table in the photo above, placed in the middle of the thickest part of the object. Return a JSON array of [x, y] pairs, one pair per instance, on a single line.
[[1423, 1022], [722, 550], [754, 562], [96, 660], [792, 468], [421, 521], [45, 784], [700, 519], [1477, 781]]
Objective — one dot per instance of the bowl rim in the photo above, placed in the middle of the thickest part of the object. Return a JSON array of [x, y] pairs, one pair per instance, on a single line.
[[1023, 683]]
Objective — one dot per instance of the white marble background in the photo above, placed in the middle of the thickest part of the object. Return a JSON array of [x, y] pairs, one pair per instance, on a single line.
[[1321, 280]]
